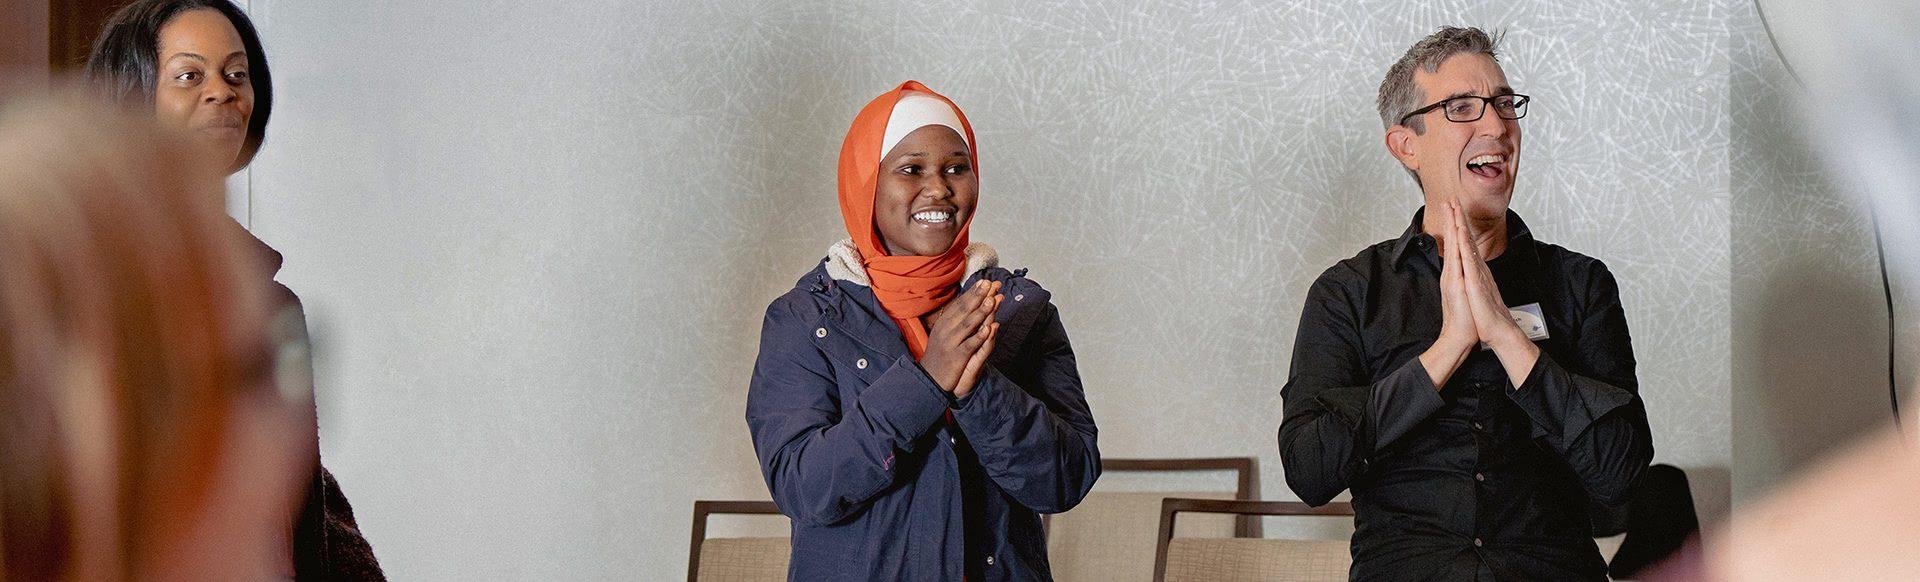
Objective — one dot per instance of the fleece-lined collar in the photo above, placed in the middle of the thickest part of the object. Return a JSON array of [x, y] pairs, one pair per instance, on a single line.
[[843, 261]]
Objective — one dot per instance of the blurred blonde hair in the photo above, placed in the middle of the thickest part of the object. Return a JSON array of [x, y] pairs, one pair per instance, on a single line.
[[132, 331]]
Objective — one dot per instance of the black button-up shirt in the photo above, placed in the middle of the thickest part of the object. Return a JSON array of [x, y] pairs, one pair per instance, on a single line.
[[1481, 478]]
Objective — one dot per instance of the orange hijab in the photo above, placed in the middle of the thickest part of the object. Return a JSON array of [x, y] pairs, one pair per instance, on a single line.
[[907, 287]]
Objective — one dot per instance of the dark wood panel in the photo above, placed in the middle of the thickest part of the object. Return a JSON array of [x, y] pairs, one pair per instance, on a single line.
[[71, 26]]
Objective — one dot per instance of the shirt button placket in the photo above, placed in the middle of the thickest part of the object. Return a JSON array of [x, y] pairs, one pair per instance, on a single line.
[[1481, 442]]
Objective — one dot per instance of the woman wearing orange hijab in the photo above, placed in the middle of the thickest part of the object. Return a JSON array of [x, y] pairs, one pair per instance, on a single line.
[[915, 407]]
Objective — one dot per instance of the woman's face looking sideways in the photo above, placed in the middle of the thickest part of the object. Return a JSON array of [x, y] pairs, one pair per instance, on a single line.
[[203, 84], [926, 190]]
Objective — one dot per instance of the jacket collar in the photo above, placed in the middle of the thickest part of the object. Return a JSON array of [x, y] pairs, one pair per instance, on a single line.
[[844, 264], [850, 304]]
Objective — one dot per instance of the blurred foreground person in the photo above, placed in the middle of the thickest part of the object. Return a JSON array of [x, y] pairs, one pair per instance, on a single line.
[[197, 67], [143, 434]]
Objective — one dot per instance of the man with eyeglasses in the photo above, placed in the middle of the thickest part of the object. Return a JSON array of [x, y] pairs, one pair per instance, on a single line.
[[1472, 386]]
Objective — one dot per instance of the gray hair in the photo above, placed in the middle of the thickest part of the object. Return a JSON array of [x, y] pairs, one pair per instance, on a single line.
[[1399, 96]]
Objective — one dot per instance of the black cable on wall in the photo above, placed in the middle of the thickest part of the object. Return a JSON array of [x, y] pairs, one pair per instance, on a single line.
[[1886, 287], [1879, 246]]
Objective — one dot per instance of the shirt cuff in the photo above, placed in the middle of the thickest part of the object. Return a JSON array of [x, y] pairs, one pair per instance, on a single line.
[[1561, 404], [1401, 401]]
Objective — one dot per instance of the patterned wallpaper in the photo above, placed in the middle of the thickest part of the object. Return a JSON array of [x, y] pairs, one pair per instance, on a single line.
[[536, 239]]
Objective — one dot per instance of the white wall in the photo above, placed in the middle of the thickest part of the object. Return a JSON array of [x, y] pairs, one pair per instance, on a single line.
[[535, 239], [1810, 318]]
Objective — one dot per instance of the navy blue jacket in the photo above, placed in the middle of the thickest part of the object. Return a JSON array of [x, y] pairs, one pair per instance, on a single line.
[[855, 446]]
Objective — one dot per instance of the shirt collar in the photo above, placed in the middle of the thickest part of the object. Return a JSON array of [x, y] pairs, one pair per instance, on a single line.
[[1519, 240]]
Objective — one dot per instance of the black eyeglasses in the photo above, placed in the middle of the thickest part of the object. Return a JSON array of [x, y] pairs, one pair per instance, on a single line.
[[1472, 107]]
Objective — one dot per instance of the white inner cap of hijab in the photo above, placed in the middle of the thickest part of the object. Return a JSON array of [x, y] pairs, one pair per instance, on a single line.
[[915, 110]]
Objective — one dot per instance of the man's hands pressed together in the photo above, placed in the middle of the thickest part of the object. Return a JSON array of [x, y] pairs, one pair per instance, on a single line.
[[1472, 311]]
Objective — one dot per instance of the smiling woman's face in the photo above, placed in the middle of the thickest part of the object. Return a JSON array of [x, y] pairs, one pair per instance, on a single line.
[[925, 192], [204, 87]]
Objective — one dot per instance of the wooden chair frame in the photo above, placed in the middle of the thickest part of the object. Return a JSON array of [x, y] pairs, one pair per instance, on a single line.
[[702, 509], [1173, 506], [1247, 479]]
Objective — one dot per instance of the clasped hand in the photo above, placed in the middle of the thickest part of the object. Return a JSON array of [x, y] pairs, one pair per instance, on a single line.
[[1471, 309], [960, 336]]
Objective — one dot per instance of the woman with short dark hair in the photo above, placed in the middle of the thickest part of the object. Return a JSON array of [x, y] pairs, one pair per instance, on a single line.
[[198, 67], [134, 64]]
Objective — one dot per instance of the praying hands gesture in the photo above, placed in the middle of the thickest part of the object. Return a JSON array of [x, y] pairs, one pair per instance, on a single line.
[[1472, 312], [960, 336]]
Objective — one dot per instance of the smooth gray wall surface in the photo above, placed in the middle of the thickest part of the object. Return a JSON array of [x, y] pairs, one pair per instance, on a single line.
[[1810, 318], [536, 239]]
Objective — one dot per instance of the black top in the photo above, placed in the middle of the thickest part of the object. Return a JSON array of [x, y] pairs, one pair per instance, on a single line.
[[1480, 478], [327, 543]]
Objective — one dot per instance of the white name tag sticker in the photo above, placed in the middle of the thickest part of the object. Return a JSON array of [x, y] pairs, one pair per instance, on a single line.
[[1530, 320]]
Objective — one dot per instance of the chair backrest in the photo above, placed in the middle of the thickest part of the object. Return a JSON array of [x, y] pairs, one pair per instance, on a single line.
[[1108, 535], [750, 559], [1246, 479], [1180, 559]]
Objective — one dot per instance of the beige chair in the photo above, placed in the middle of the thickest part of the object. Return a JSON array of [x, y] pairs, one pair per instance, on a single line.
[[1107, 537], [1178, 559], [751, 559]]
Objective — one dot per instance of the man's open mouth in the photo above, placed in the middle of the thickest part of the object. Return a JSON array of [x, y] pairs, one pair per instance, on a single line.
[[1489, 166]]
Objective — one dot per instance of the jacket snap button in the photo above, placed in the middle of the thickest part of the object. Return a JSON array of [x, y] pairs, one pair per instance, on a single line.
[[822, 332], [1019, 297], [861, 364], [989, 560]]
